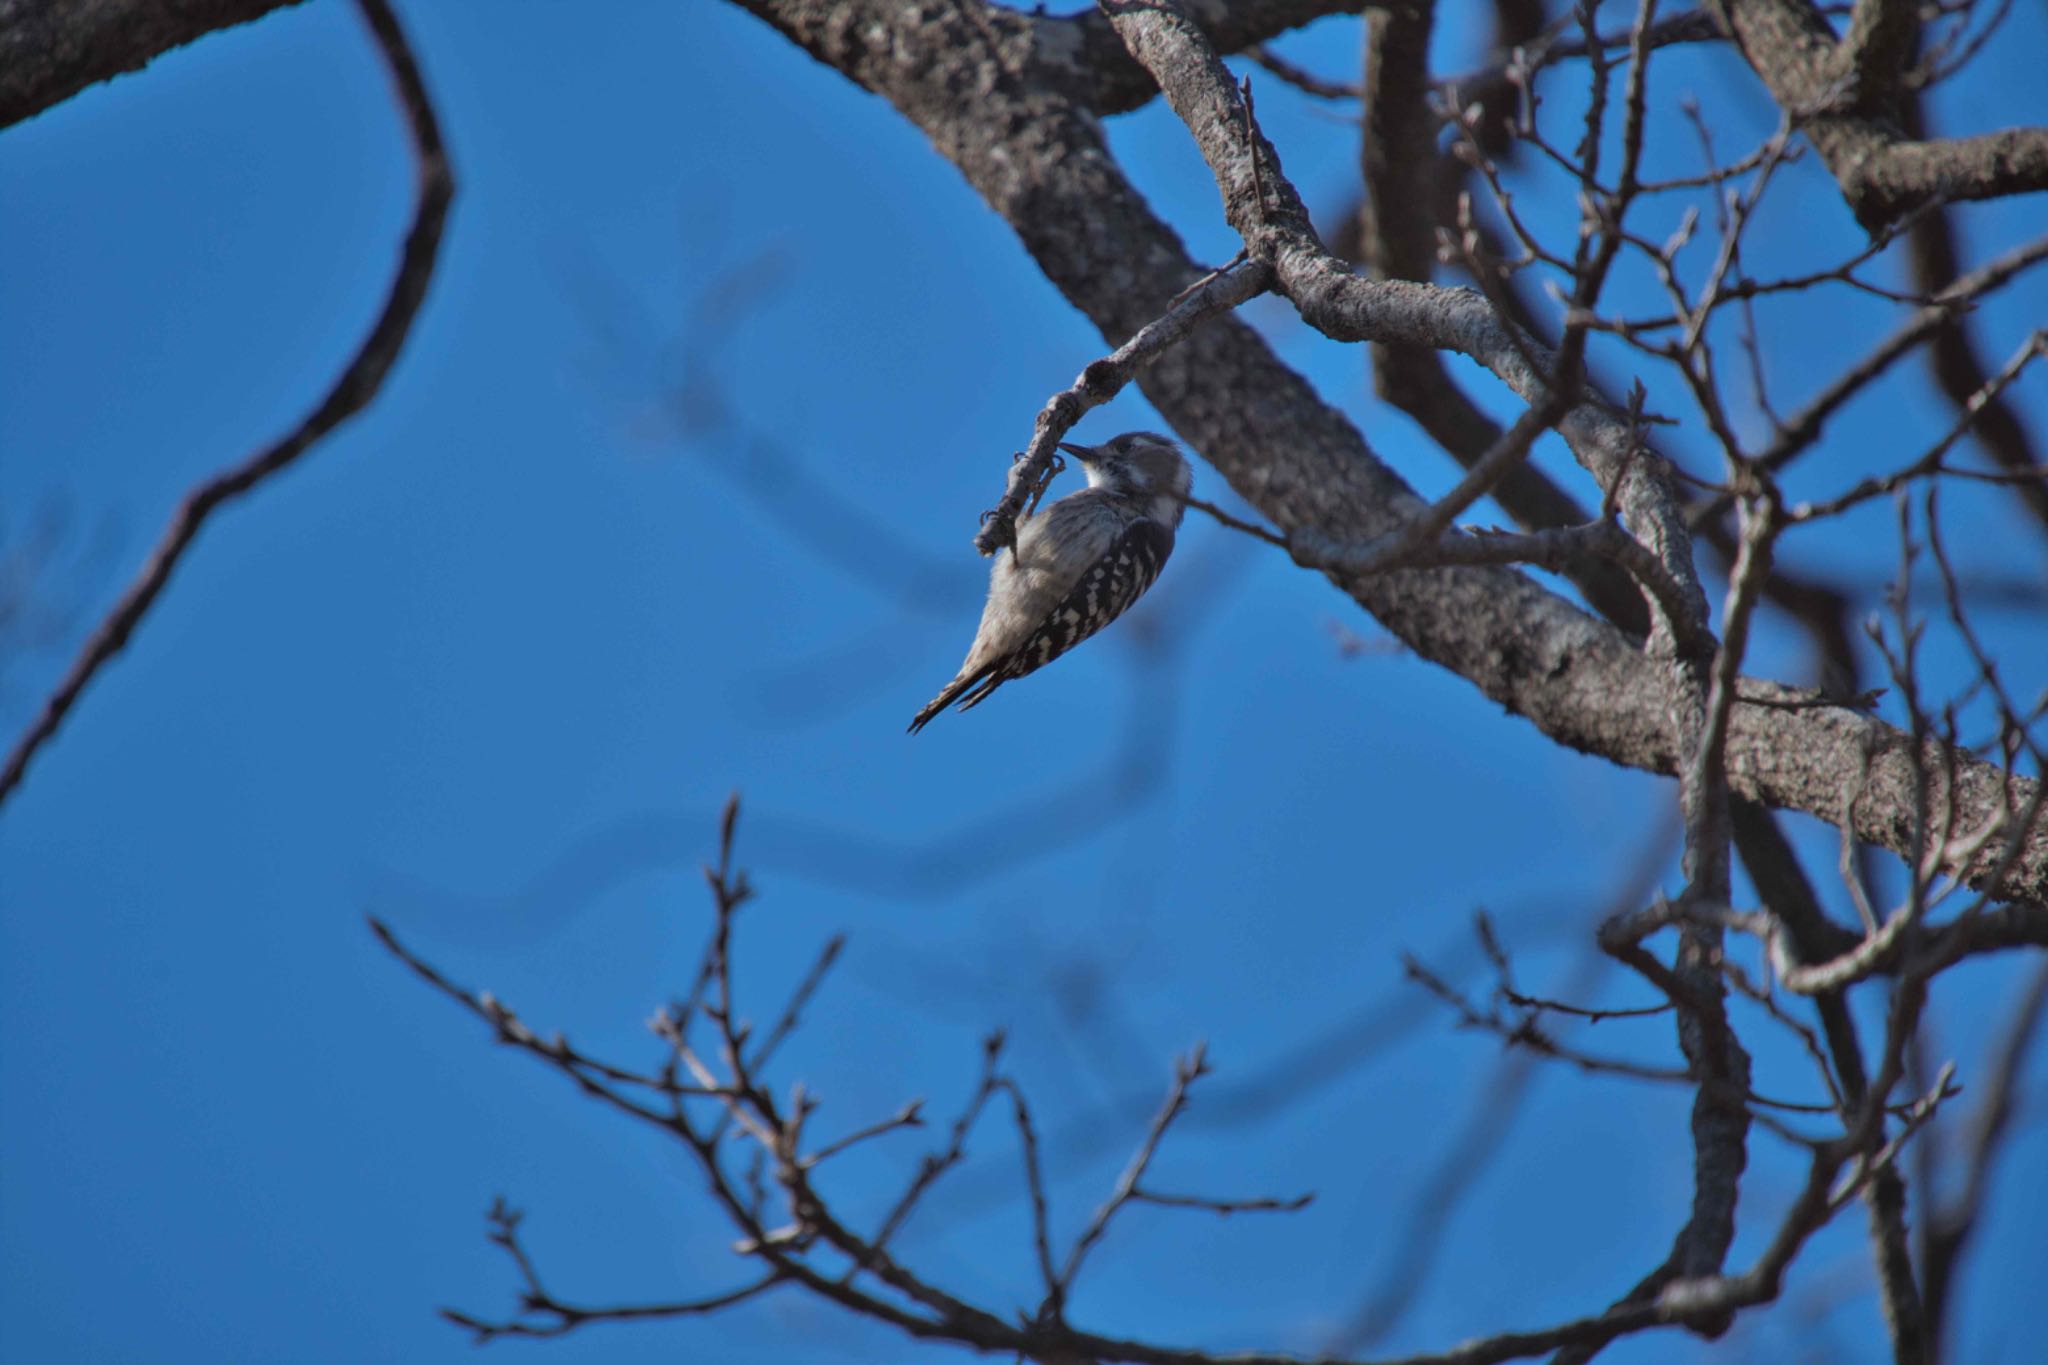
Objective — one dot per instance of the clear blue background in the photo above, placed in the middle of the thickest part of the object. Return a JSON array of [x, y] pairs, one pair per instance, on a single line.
[[488, 661]]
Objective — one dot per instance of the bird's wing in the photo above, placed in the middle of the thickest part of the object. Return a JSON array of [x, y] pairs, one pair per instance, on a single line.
[[1117, 578], [1053, 552]]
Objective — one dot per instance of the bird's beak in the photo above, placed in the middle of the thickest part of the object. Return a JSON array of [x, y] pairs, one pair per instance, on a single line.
[[1085, 454]]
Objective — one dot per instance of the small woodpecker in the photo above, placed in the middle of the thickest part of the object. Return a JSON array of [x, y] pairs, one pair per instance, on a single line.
[[1076, 566]]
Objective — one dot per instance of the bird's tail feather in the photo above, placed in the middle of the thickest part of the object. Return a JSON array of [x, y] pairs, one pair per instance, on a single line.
[[947, 697], [978, 695]]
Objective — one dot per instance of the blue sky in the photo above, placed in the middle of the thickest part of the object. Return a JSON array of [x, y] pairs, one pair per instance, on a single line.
[[489, 660]]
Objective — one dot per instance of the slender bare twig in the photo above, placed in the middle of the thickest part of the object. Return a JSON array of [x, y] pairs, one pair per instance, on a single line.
[[919, 1307], [909, 1116], [786, 1024], [1930, 464], [1218, 292], [1041, 1220], [1300, 77], [1186, 1071], [541, 1314]]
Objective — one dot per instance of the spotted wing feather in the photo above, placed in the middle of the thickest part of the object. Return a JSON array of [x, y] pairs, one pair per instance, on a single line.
[[1103, 593]]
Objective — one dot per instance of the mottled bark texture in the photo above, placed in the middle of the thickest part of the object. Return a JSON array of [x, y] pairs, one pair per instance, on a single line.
[[1405, 180], [1845, 96], [1013, 99], [996, 93], [52, 49]]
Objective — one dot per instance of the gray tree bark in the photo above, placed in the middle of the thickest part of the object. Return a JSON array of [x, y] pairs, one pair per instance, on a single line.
[[1001, 95], [1013, 100], [52, 49]]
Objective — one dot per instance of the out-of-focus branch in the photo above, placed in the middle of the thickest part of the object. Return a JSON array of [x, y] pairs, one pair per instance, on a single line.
[[352, 391], [1952, 354], [1948, 1227], [1301, 78], [45, 566], [1489, 1127], [694, 405], [1811, 937], [1090, 63]]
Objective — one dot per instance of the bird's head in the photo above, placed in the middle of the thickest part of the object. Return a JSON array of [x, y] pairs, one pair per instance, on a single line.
[[1143, 465]]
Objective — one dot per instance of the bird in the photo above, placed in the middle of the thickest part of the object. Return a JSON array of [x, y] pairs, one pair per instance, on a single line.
[[1076, 566]]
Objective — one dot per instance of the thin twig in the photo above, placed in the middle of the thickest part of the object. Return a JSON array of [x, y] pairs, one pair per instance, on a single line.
[[1219, 292]]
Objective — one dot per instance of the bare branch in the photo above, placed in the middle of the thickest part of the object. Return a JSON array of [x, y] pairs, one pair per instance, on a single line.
[[1882, 175], [1948, 1227], [1186, 1071], [541, 1314], [352, 392], [1218, 292]]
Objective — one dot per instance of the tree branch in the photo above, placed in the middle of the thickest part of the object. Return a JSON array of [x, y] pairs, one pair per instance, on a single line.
[[351, 393], [52, 50], [1828, 88], [1218, 292], [1297, 460]]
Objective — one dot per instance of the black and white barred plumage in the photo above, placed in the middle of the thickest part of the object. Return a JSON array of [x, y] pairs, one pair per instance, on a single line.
[[1077, 565]]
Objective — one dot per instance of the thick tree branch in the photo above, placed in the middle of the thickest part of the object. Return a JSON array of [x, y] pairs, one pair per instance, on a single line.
[[1837, 94], [1953, 354], [52, 49], [1262, 205], [1396, 237], [1040, 162], [1100, 75]]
